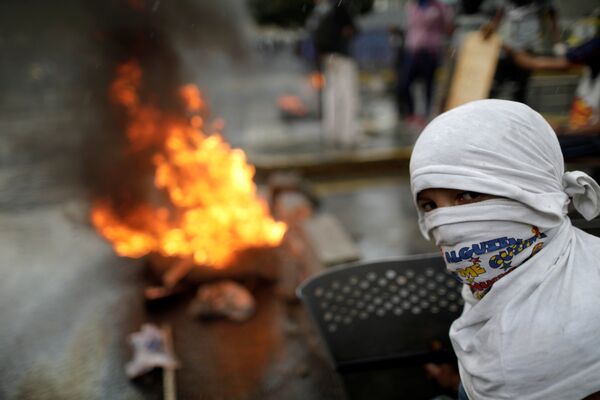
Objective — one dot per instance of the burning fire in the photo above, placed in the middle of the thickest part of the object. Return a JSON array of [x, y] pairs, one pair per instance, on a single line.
[[317, 80], [292, 105], [213, 210]]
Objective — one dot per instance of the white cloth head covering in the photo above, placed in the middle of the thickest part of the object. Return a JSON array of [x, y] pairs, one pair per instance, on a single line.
[[536, 334]]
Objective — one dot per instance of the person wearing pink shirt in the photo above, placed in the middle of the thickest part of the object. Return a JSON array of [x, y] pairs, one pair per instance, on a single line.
[[427, 24]]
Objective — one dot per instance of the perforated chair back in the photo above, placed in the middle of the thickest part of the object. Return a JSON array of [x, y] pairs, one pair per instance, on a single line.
[[375, 314], [592, 227]]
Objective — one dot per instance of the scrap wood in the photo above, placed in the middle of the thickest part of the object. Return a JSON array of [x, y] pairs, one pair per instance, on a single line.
[[169, 384], [170, 280], [285, 182], [301, 254], [331, 241], [177, 272], [225, 298], [297, 260], [154, 293], [292, 207]]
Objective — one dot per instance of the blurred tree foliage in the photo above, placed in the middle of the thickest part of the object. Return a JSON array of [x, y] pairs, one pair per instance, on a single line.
[[293, 13]]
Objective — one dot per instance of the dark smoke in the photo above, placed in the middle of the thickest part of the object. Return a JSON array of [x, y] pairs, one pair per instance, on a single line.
[[77, 45], [150, 33]]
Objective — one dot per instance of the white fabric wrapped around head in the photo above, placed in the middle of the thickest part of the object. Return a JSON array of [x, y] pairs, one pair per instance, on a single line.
[[503, 148]]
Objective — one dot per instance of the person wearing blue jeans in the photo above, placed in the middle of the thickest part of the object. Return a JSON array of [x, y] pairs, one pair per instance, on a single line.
[[417, 64], [428, 22]]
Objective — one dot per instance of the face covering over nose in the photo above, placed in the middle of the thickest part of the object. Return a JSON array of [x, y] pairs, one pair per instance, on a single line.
[[479, 248]]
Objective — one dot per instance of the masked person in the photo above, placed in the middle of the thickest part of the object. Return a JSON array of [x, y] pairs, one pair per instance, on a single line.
[[489, 182]]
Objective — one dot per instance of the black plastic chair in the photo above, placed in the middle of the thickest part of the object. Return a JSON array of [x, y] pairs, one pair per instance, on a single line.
[[381, 321], [592, 227]]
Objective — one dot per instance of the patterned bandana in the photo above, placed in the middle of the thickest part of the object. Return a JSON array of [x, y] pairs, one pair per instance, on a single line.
[[479, 250]]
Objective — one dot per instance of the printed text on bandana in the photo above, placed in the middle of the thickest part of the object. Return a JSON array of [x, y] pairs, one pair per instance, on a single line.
[[509, 248]]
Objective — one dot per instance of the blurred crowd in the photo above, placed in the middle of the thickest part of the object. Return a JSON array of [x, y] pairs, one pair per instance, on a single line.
[[430, 37]]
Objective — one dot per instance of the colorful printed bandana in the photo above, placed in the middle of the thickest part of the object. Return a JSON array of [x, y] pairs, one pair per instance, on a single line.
[[480, 251]]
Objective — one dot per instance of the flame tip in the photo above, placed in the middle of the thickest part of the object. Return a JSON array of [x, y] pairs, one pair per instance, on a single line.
[[214, 211]]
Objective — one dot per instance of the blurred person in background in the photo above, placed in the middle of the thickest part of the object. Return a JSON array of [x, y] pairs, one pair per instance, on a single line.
[[584, 118], [427, 24], [332, 28], [520, 24], [580, 136]]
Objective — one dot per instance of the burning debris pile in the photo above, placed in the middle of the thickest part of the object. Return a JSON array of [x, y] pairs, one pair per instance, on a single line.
[[200, 211], [197, 209], [204, 206]]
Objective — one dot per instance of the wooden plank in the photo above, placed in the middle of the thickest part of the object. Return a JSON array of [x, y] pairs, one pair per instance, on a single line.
[[291, 203], [330, 240], [169, 385], [475, 68]]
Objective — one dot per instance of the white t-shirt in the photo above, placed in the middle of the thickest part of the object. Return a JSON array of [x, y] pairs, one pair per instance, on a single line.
[[521, 27]]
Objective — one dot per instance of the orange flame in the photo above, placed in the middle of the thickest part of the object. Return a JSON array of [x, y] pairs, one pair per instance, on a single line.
[[292, 105], [214, 211], [317, 80]]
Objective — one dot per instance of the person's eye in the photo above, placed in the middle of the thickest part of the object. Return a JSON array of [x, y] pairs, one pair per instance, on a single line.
[[466, 197], [427, 205]]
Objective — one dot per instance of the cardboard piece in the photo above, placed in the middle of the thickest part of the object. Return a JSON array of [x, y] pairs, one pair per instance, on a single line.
[[474, 69]]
